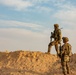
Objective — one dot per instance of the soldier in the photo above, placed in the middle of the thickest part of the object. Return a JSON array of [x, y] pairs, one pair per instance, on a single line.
[[65, 55], [56, 34]]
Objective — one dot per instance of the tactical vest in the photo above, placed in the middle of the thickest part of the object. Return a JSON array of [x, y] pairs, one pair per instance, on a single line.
[[57, 34], [66, 49]]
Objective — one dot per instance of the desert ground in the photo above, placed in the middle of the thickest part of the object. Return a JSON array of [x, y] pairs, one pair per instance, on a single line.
[[33, 63]]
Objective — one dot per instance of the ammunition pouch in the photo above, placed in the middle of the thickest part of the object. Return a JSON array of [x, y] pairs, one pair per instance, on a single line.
[[66, 58]]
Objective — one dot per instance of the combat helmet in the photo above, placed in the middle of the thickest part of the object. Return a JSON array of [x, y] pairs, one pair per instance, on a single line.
[[56, 25], [65, 39]]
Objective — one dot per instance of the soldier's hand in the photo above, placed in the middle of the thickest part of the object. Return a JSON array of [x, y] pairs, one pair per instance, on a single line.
[[59, 42]]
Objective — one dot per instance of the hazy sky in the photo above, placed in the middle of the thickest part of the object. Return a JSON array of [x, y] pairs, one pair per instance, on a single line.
[[26, 24]]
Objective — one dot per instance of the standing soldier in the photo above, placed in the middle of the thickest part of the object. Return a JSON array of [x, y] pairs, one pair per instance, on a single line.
[[56, 34], [65, 55]]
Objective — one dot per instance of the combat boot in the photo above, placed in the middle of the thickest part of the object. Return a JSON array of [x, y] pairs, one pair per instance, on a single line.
[[65, 74], [47, 52], [68, 72]]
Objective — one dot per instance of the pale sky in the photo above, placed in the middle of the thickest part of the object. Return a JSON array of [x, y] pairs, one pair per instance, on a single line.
[[27, 24]]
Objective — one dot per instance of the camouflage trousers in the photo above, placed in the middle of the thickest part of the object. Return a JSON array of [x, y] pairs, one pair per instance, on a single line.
[[56, 46], [65, 67]]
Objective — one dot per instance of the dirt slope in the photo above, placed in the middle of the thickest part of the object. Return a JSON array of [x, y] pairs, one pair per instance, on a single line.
[[32, 63]]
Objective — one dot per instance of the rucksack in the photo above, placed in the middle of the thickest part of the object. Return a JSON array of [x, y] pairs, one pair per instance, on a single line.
[[67, 52], [68, 49]]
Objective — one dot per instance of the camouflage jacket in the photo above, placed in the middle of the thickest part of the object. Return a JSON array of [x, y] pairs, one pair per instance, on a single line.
[[66, 51], [57, 35]]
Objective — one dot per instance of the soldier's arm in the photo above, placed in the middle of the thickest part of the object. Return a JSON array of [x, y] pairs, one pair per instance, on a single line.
[[70, 50], [62, 50]]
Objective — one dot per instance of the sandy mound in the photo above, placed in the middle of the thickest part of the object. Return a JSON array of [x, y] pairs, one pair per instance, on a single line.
[[32, 63]]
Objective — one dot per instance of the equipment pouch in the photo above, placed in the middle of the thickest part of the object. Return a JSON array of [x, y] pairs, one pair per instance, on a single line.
[[66, 58]]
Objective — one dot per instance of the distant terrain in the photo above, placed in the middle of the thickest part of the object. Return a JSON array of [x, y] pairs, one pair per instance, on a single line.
[[32, 63]]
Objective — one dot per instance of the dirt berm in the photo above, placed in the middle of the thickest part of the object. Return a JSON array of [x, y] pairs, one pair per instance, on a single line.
[[33, 63]]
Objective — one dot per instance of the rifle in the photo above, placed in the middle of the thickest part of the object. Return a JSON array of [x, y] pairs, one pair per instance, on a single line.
[[51, 36]]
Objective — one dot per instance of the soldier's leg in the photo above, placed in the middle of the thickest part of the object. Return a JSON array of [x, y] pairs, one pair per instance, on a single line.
[[50, 45], [64, 68], [56, 48], [67, 67]]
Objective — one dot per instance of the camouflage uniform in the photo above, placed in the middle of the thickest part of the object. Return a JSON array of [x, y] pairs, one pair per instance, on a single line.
[[57, 38], [65, 55]]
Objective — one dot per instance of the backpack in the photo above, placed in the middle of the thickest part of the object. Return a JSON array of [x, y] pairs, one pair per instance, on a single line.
[[67, 52], [69, 49]]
